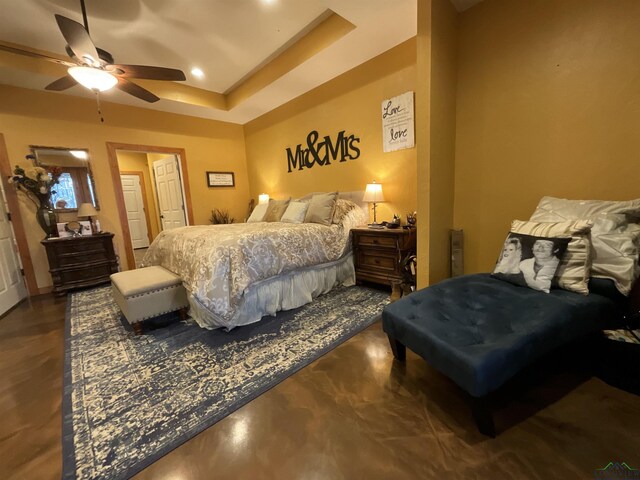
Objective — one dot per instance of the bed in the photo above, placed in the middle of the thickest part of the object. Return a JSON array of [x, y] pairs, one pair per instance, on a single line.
[[236, 274]]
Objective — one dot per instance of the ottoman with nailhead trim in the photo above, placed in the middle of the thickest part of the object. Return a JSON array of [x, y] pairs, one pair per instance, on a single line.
[[147, 292]]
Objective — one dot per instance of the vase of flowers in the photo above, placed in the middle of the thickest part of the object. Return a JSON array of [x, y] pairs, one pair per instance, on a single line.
[[37, 183]]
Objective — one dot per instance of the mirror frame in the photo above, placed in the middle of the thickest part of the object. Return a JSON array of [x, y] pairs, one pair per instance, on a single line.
[[34, 152]]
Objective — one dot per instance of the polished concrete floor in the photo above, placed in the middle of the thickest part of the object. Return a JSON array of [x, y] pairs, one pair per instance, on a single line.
[[353, 414]]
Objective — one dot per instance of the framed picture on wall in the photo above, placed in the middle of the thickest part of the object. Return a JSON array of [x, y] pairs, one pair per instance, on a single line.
[[220, 179]]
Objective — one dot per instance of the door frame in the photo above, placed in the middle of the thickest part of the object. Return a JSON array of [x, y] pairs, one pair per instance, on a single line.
[[16, 220], [143, 192], [112, 154]]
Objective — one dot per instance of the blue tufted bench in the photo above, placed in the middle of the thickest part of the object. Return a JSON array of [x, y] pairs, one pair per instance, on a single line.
[[480, 331]]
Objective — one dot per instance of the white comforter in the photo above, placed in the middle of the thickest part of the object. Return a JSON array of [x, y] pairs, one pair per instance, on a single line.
[[218, 263]]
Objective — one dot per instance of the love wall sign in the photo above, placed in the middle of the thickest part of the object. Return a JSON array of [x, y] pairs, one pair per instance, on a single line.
[[322, 152], [397, 123]]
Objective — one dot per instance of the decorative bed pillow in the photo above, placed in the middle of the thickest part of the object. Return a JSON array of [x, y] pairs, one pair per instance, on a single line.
[[561, 209], [575, 266], [343, 207], [275, 210], [321, 208], [614, 241], [530, 261], [295, 212], [258, 213]]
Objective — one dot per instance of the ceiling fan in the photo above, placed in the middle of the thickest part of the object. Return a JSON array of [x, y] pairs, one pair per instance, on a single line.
[[93, 67]]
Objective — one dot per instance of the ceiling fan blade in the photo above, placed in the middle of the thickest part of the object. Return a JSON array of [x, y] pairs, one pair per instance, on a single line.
[[62, 84], [136, 90], [79, 41], [28, 53], [148, 72]]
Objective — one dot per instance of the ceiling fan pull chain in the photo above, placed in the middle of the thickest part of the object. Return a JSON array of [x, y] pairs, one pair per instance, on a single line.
[[98, 102]]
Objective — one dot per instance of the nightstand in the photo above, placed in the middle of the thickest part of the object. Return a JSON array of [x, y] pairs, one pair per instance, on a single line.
[[78, 262], [378, 253]]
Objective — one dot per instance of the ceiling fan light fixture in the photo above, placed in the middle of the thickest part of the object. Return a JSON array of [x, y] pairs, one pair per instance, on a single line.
[[93, 78]]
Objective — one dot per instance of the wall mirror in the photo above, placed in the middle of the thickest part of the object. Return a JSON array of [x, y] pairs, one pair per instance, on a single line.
[[76, 185]]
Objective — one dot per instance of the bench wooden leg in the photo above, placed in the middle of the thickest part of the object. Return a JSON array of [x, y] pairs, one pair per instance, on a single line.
[[137, 328], [183, 313], [398, 349], [481, 411]]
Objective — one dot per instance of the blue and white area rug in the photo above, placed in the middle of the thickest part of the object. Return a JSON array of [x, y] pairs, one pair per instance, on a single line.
[[130, 400]]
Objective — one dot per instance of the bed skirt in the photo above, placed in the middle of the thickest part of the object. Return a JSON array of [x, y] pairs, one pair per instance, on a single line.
[[283, 292]]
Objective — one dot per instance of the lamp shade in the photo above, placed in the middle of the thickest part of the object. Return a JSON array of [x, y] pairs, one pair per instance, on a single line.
[[93, 78], [373, 193], [87, 210], [263, 198]]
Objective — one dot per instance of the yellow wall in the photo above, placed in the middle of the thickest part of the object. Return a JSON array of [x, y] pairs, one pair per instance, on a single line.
[[351, 102], [34, 117], [436, 59], [548, 104], [137, 162]]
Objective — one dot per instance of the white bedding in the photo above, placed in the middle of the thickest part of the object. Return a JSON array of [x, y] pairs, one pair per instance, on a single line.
[[224, 265]]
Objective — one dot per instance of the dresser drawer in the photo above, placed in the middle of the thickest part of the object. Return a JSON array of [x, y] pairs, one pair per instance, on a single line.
[[374, 260], [66, 248], [82, 275], [365, 240], [81, 258]]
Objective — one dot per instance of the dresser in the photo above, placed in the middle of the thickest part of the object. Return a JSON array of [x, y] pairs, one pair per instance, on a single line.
[[77, 262], [378, 253]]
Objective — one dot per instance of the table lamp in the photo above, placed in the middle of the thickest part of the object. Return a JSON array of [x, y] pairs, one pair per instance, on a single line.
[[263, 198], [373, 194], [88, 210]]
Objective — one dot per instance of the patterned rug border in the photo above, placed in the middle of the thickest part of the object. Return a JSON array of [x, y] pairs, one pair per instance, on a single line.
[[68, 447]]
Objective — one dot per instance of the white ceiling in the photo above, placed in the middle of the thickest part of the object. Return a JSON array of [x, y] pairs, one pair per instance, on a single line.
[[227, 39]]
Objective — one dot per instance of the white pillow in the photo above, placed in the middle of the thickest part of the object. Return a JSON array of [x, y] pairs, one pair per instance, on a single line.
[[295, 212], [614, 241], [258, 213]]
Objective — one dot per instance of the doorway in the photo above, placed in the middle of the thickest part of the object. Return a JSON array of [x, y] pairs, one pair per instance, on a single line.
[[152, 193], [12, 287], [137, 206]]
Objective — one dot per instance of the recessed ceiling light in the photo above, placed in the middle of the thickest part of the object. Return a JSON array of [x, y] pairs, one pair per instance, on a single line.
[[268, 2], [196, 72]]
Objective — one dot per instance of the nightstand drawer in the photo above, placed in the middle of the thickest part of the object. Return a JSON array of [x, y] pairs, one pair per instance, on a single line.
[[365, 240], [373, 260]]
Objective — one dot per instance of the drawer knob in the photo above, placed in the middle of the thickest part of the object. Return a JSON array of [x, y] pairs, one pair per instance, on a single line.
[[377, 260], [375, 240]]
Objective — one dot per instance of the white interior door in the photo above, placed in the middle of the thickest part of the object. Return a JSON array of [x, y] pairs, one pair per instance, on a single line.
[[12, 287], [135, 210], [169, 188]]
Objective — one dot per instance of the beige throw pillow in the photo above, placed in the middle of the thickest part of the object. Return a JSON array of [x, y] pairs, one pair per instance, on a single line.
[[321, 208], [295, 212], [258, 213], [575, 265], [276, 210]]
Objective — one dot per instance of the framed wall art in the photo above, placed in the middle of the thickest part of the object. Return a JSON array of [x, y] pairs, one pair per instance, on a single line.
[[221, 179]]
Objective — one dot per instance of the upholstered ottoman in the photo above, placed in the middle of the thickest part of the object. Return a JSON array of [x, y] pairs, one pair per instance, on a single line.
[[148, 292], [480, 331]]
